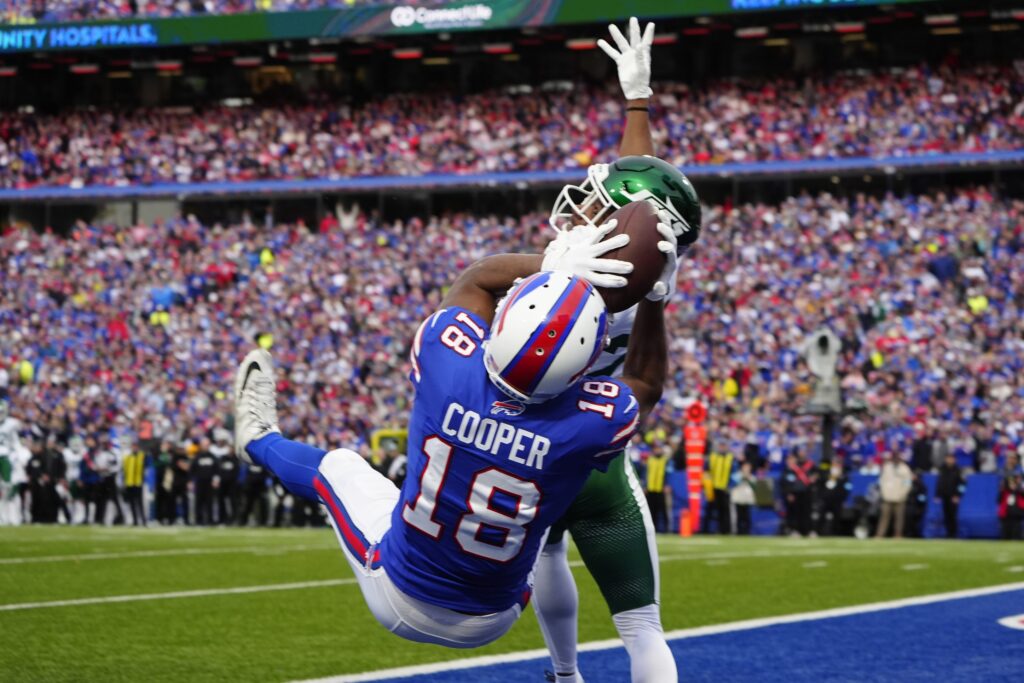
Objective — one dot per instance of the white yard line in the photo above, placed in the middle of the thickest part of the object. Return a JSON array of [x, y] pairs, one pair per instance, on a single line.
[[702, 554], [682, 634], [99, 600], [178, 594], [160, 553]]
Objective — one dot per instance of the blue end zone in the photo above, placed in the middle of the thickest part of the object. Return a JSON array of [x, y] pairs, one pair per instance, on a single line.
[[951, 641]]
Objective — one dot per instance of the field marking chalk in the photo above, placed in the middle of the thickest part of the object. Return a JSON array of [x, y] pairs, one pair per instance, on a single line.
[[157, 553], [680, 634], [177, 594]]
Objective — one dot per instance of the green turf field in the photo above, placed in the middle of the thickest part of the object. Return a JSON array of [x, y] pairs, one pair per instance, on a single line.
[[320, 627]]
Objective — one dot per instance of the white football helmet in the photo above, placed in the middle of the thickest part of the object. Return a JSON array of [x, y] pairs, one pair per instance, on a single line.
[[547, 332]]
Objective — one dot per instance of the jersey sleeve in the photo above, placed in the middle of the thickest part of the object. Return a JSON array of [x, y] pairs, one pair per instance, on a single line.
[[613, 416], [442, 340]]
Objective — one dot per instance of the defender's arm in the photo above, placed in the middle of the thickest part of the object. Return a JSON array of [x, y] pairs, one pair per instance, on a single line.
[[633, 60], [646, 361], [637, 138]]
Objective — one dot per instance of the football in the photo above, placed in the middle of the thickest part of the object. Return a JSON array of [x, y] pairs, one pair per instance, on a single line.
[[639, 220]]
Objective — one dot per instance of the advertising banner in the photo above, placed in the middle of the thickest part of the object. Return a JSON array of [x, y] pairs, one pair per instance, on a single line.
[[467, 15]]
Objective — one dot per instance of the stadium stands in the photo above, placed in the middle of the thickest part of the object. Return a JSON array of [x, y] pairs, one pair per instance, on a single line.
[[915, 112], [924, 291]]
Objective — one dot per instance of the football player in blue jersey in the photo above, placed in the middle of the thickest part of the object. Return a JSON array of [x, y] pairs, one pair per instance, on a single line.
[[609, 520], [505, 429]]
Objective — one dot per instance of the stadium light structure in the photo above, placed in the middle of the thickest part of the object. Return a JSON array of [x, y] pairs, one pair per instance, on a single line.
[[848, 27], [498, 48], [821, 350], [322, 58], [581, 44], [748, 32]]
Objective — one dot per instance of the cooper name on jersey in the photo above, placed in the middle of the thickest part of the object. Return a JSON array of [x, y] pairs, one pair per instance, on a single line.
[[494, 436]]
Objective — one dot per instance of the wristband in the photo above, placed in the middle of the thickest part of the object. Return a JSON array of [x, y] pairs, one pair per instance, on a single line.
[[646, 109]]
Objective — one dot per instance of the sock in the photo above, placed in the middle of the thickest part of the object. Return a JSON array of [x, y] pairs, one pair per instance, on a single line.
[[294, 463], [556, 604], [569, 678], [650, 659]]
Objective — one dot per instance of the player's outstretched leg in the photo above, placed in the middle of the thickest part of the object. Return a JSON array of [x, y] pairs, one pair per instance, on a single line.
[[650, 659], [611, 526], [360, 502], [556, 603], [257, 436], [255, 401]]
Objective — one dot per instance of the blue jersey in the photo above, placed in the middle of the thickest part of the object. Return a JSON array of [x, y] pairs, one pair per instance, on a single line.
[[487, 476]]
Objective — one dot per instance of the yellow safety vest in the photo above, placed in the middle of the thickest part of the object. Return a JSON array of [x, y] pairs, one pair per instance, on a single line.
[[134, 466], [656, 473], [720, 465]]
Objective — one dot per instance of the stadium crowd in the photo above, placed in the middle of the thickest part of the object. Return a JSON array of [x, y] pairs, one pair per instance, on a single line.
[[128, 336], [31, 11], [916, 111]]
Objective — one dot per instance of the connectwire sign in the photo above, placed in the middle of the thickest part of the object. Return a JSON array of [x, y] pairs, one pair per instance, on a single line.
[[373, 20], [469, 16]]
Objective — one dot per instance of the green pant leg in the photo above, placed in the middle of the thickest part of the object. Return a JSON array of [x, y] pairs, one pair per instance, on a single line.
[[612, 529]]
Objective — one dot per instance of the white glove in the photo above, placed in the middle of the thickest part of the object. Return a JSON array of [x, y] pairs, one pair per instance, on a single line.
[[579, 251], [633, 58], [665, 287]]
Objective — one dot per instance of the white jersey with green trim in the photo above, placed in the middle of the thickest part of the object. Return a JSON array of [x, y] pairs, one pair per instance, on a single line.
[[609, 363], [9, 440], [11, 448], [73, 459]]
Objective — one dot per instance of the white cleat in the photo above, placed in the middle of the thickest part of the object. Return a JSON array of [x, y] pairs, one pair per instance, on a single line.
[[255, 401]]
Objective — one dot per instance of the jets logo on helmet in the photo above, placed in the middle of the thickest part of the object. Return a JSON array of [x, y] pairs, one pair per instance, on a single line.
[[631, 179], [548, 331]]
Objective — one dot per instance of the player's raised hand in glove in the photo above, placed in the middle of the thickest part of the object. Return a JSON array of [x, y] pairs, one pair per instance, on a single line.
[[579, 252], [666, 284], [632, 58]]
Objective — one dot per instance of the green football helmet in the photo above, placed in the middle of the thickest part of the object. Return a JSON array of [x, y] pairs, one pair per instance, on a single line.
[[631, 179]]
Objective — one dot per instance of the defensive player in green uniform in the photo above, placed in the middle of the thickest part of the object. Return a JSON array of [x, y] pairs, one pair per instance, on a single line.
[[609, 521]]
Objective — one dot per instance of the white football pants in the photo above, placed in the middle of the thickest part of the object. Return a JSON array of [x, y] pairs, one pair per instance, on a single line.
[[359, 503]]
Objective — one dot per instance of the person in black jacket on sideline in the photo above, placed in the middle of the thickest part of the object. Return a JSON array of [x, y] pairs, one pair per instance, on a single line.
[[203, 470], [948, 490]]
